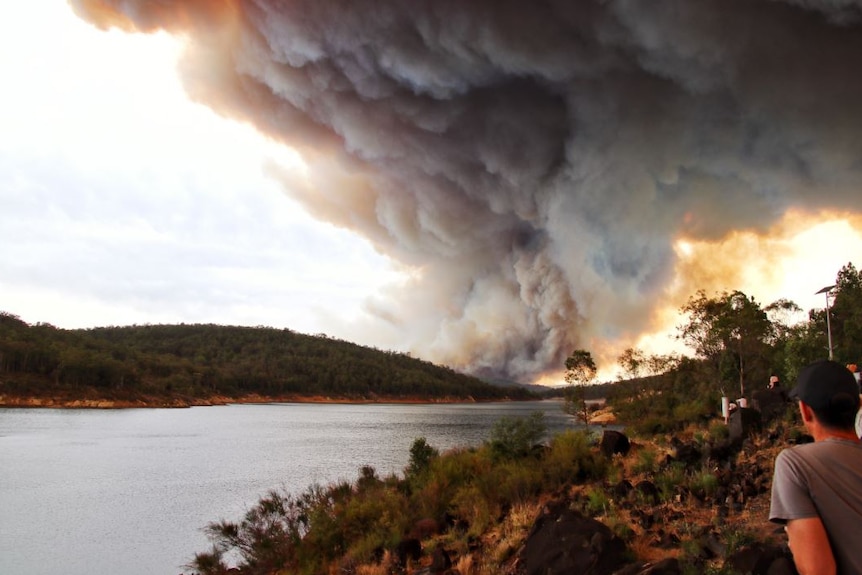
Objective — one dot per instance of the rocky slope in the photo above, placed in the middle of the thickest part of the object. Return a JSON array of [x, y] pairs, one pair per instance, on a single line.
[[692, 503]]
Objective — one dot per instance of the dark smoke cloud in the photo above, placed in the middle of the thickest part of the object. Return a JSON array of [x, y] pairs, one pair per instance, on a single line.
[[534, 162]]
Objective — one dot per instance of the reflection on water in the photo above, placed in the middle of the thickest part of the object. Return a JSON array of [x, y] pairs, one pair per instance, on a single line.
[[128, 491]]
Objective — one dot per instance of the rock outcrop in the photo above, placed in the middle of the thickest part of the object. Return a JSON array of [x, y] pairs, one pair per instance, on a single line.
[[562, 541]]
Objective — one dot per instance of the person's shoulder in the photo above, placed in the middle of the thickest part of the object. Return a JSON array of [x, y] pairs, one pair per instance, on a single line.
[[801, 447], [799, 452], [791, 454], [806, 450], [843, 444]]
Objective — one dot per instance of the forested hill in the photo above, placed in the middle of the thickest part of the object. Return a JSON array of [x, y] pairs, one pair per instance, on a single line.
[[187, 364]]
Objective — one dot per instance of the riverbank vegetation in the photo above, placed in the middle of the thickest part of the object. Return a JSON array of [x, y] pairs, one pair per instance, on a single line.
[[463, 494], [177, 365], [737, 344], [695, 498], [684, 490]]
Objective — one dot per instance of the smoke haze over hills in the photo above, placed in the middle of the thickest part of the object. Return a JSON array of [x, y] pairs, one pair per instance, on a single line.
[[534, 165]]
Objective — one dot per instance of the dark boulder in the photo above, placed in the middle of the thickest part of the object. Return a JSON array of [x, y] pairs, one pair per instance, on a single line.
[[721, 452], [645, 518], [563, 541], [648, 492], [760, 559], [666, 540], [711, 546], [440, 561], [664, 567], [743, 422], [614, 442], [622, 490], [686, 453], [406, 550]]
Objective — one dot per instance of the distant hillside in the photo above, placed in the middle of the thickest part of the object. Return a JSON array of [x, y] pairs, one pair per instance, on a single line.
[[541, 390], [187, 364]]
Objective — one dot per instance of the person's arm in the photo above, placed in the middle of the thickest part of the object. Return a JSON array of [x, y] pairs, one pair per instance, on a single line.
[[809, 544]]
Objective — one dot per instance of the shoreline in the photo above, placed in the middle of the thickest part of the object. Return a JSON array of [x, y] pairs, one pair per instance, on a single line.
[[182, 403], [601, 417]]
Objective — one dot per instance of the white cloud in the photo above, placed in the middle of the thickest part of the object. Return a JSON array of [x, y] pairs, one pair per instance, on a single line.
[[124, 202]]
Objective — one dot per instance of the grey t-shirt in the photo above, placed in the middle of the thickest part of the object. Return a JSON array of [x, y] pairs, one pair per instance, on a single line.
[[823, 479]]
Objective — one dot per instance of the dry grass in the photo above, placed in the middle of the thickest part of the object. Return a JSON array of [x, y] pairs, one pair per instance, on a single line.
[[381, 569], [644, 548], [513, 531], [466, 566], [681, 522]]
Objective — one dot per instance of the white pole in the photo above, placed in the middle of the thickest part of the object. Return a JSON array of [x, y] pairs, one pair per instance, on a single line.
[[827, 291]]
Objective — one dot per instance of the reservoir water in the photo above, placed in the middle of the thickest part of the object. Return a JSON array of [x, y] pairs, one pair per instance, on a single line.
[[129, 491]]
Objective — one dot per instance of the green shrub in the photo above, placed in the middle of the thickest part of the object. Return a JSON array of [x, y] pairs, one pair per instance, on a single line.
[[373, 518], [421, 455], [266, 539], [367, 478], [693, 411], [324, 537], [513, 437], [348, 522], [652, 425], [571, 458], [516, 482], [718, 430], [646, 461], [620, 528], [669, 479], [704, 483], [470, 505], [737, 538], [597, 501], [476, 486], [433, 492]]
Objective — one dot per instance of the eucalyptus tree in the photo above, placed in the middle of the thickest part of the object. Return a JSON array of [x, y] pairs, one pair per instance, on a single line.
[[846, 315], [788, 325], [731, 332], [632, 361], [581, 371], [805, 342]]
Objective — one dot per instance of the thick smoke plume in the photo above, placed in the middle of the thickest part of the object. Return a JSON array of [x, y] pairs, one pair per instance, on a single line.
[[534, 162]]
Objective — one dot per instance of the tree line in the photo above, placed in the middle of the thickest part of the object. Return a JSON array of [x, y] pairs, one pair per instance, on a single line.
[[737, 344], [202, 361]]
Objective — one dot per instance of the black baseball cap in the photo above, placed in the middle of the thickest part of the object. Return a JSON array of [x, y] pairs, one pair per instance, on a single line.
[[825, 383]]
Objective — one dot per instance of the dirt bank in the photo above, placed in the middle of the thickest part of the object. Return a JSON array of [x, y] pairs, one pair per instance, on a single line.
[[157, 402]]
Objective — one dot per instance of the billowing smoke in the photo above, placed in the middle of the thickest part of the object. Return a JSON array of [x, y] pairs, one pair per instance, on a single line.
[[534, 162]]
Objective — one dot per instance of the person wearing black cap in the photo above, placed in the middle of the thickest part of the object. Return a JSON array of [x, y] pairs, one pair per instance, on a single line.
[[817, 487]]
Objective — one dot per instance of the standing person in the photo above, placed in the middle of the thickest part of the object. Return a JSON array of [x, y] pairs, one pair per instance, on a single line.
[[817, 487], [773, 389], [854, 369]]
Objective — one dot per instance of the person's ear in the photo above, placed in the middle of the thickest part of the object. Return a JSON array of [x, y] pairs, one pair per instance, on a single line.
[[806, 411]]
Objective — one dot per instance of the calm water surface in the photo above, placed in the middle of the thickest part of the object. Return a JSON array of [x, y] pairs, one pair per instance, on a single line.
[[86, 492]]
